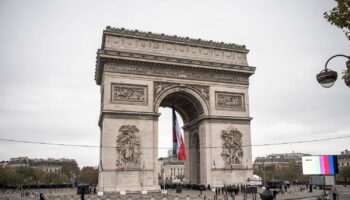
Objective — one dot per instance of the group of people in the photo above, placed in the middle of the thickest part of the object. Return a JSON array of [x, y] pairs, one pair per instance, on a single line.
[[226, 190], [187, 186], [236, 189]]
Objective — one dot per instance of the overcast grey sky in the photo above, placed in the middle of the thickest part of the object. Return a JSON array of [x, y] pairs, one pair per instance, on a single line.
[[47, 62]]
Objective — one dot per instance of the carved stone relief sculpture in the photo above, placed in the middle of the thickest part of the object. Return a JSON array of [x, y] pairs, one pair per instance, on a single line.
[[232, 152], [160, 87], [170, 71], [128, 146], [129, 94], [229, 101]]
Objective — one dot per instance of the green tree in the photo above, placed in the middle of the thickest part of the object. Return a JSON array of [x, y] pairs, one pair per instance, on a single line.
[[293, 171], [18, 176], [345, 173], [11, 177], [288, 172], [88, 175], [180, 177], [340, 16], [70, 171], [51, 178]]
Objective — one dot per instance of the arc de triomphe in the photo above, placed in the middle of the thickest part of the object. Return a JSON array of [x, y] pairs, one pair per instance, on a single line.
[[208, 84]]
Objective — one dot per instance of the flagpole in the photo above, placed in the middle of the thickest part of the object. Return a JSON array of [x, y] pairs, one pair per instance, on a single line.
[[174, 133]]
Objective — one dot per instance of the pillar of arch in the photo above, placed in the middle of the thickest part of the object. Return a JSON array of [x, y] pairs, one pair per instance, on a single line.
[[207, 82]]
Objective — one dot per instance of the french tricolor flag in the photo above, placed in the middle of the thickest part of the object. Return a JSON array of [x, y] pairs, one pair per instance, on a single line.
[[178, 142]]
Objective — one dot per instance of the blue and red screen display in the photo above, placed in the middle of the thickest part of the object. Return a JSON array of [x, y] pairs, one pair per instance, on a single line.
[[321, 165]]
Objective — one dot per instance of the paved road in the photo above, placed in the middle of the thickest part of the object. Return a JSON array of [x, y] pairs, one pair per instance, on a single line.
[[10, 196], [343, 195]]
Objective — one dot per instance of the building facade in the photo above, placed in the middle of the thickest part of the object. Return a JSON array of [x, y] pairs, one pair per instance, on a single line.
[[286, 158], [280, 159], [344, 159], [50, 165], [172, 168]]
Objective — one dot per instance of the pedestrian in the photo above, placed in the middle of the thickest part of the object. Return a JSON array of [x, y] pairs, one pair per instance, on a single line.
[[335, 194], [285, 187], [274, 194], [41, 196]]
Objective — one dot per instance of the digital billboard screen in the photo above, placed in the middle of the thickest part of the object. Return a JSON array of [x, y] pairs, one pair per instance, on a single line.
[[320, 165]]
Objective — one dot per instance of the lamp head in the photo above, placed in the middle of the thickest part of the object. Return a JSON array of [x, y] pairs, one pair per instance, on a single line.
[[327, 78]]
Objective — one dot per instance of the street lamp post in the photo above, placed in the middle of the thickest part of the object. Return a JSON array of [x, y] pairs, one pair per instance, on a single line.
[[264, 174], [327, 77], [163, 176]]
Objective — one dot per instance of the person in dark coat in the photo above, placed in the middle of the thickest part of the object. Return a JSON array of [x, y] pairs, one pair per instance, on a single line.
[[274, 194], [41, 196], [335, 194]]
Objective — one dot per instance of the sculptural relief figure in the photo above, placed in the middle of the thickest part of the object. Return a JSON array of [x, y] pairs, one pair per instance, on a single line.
[[128, 93], [128, 146], [231, 146], [159, 89]]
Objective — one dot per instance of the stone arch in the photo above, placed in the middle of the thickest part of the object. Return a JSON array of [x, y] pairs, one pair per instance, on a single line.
[[138, 72], [186, 100], [191, 105]]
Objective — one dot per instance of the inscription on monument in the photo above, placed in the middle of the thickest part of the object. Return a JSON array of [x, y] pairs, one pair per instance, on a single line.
[[129, 94], [128, 146], [231, 146], [229, 101]]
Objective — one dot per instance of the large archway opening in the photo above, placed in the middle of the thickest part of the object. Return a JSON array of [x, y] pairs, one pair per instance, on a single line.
[[188, 109]]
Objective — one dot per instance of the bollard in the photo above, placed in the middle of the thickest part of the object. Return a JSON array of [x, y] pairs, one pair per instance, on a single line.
[[82, 196]]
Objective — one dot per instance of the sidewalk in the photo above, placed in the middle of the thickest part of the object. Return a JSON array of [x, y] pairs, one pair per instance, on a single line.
[[172, 195], [210, 195]]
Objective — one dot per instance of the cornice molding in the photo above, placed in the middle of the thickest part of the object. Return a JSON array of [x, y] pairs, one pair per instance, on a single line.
[[175, 38], [102, 53], [116, 65], [219, 119], [119, 114]]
